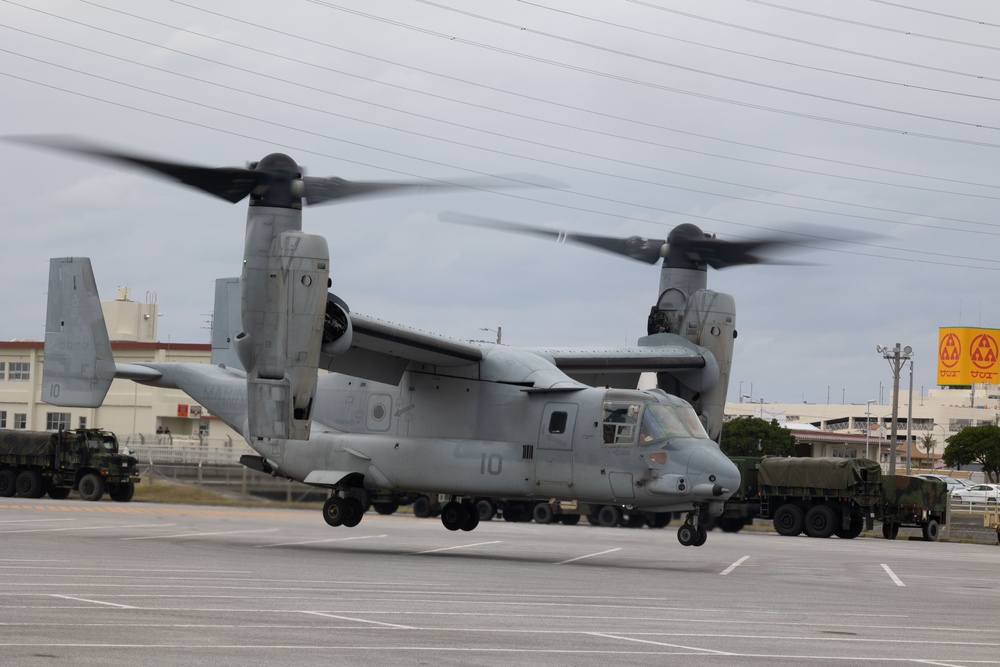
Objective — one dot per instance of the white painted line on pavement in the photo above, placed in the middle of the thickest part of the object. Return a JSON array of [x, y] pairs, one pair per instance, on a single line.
[[649, 641], [110, 604], [358, 620], [892, 575], [599, 553], [331, 539], [223, 532], [460, 546], [733, 566]]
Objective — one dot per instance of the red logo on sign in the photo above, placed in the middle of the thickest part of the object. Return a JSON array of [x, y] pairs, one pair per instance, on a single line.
[[984, 351], [950, 350]]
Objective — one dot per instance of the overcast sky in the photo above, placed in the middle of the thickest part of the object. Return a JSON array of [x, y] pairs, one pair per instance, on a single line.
[[740, 116]]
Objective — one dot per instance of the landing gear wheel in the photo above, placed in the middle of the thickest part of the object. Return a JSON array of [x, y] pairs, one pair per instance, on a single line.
[[701, 534], [355, 511], [788, 520], [821, 521], [454, 516], [890, 530], [472, 519], [687, 534], [931, 531], [120, 493], [8, 486], [91, 487], [335, 511]]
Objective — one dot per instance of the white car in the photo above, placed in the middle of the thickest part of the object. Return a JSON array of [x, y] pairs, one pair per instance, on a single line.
[[977, 493]]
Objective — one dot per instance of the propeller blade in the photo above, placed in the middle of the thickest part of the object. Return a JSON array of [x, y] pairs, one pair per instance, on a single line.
[[229, 183], [634, 247], [326, 190]]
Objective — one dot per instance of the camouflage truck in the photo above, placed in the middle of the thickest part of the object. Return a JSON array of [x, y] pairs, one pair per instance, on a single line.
[[913, 501], [33, 463], [818, 496], [832, 496]]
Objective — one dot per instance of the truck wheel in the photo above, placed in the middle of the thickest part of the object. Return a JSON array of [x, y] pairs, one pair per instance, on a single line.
[[857, 525], [821, 521], [486, 509], [58, 492], [890, 530], [569, 519], [931, 530], [122, 492], [422, 507], [731, 524], [91, 487], [788, 520], [609, 515], [542, 513], [386, 508], [30, 484], [8, 483]]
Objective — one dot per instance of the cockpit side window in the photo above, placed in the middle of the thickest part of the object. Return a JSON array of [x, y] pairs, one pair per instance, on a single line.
[[621, 422]]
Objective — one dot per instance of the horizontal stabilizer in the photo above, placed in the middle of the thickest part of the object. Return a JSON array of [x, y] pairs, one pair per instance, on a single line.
[[78, 367]]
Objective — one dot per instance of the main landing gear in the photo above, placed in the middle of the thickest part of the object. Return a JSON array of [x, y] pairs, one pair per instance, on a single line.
[[460, 515], [343, 511], [691, 533]]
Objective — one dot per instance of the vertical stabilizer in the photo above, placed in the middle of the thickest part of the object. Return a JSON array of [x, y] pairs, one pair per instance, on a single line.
[[226, 323], [78, 366]]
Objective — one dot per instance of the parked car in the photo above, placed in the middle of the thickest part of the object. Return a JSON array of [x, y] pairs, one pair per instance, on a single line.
[[952, 482], [978, 493]]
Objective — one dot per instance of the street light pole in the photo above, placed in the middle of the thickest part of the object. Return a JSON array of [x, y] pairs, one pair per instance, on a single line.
[[498, 331], [896, 358], [909, 422]]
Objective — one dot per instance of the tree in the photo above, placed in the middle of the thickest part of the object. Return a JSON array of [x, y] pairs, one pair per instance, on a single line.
[[752, 436], [928, 443], [976, 444]]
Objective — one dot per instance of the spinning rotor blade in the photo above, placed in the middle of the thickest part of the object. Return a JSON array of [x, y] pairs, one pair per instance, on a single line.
[[634, 247], [229, 183], [325, 190]]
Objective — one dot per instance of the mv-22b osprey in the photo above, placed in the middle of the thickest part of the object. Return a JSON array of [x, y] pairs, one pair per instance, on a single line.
[[405, 410]]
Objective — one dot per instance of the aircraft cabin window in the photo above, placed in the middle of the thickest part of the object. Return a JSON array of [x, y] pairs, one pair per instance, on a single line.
[[557, 422], [621, 421]]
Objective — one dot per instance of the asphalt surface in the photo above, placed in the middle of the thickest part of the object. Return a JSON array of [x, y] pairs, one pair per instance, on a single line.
[[139, 584]]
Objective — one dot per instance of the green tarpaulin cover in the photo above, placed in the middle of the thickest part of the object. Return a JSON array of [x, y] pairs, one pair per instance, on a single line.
[[826, 473]]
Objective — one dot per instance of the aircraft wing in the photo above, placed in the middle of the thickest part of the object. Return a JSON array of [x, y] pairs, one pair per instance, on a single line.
[[380, 351], [621, 366]]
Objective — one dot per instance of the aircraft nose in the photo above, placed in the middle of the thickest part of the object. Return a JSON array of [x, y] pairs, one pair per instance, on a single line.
[[706, 464]]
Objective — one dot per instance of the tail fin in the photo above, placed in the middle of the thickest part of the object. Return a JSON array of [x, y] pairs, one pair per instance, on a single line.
[[226, 323], [78, 367]]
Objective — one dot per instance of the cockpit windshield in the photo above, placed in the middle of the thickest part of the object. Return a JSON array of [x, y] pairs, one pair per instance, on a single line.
[[626, 423]]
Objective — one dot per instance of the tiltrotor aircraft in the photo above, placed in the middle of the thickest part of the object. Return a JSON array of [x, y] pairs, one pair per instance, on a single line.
[[405, 410]]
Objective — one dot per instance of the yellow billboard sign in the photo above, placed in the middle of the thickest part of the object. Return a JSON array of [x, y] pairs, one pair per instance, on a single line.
[[968, 355]]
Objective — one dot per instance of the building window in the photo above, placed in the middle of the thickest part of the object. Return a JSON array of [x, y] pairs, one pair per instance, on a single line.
[[83, 423], [20, 420], [3, 419], [3, 370], [56, 421], [19, 370]]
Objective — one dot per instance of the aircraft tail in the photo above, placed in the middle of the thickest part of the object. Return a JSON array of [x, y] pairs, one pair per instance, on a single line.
[[78, 367]]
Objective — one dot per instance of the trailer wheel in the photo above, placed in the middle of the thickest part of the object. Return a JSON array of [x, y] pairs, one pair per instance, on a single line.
[[422, 507], [91, 487], [30, 484], [542, 513], [122, 492], [821, 521], [486, 509], [931, 531], [731, 524], [58, 492], [788, 520], [386, 508], [609, 516], [890, 530], [8, 486]]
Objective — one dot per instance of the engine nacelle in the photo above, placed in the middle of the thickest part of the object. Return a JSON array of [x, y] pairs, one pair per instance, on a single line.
[[338, 333], [284, 307]]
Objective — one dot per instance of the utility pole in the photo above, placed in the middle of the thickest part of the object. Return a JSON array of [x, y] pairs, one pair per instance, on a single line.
[[896, 359], [909, 422]]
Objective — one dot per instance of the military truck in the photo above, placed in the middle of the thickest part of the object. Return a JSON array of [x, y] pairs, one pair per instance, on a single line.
[[832, 496], [33, 463]]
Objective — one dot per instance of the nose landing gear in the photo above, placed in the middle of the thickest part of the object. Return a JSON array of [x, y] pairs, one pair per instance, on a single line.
[[691, 533]]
